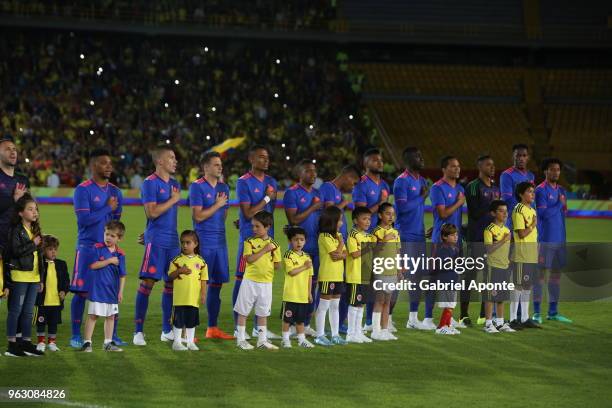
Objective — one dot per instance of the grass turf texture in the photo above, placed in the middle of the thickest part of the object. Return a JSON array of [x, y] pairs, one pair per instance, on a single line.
[[561, 365]]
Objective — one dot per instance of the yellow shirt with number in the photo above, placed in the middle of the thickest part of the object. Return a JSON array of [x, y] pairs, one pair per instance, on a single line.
[[525, 249], [27, 276], [500, 257], [262, 270], [355, 241], [186, 290], [51, 294], [330, 270], [389, 248], [296, 287]]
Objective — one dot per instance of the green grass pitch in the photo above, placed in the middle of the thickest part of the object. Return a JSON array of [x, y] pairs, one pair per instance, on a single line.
[[561, 365]]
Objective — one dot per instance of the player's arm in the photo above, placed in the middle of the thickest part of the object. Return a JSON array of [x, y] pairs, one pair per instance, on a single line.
[[242, 191], [152, 208], [518, 222], [121, 287], [119, 209], [353, 247], [203, 291], [201, 213], [402, 203], [437, 199], [506, 190], [252, 257], [82, 209], [543, 210], [104, 263], [494, 246], [295, 218]]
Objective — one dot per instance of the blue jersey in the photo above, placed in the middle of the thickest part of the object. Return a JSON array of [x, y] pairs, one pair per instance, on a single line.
[[330, 194], [211, 230], [368, 193], [508, 181], [160, 231], [551, 212], [298, 198], [445, 195], [410, 206], [92, 211], [251, 190], [105, 281]]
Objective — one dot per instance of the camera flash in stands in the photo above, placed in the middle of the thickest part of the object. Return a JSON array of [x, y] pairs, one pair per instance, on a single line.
[[91, 132], [82, 56], [176, 82], [314, 161], [205, 49], [197, 115], [27, 160], [21, 129], [288, 158], [285, 105], [351, 117], [277, 61], [283, 145], [167, 141], [213, 109], [207, 137], [123, 157], [166, 104], [311, 127], [92, 103], [275, 95]]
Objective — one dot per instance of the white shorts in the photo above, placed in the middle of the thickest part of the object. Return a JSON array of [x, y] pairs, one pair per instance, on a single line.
[[258, 294], [386, 280], [103, 309]]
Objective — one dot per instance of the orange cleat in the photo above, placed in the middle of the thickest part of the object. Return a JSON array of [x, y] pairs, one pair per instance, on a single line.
[[216, 333]]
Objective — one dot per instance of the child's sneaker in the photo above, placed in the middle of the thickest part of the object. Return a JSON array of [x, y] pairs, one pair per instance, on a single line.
[[457, 324], [309, 331], [286, 343], [30, 350], [178, 346], [270, 335], [364, 338], [339, 341], [537, 317], [306, 344], [117, 340], [379, 336], [505, 328], [167, 337], [112, 347], [76, 342], [192, 347], [139, 339], [41, 346], [53, 347], [446, 330], [353, 339], [367, 327], [454, 330], [13, 350], [467, 322], [266, 345], [246, 335], [245, 345], [86, 347], [490, 328], [323, 341], [388, 335], [428, 324], [559, 318], [414, 324]]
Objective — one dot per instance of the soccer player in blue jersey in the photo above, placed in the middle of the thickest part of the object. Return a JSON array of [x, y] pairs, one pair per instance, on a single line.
[[551, 206], [447, 199], [208, 198], [160, 194], [371, 191], [480, 193], [515, 175], [303, 204], [410, 191], [256, 191], [96, 202]]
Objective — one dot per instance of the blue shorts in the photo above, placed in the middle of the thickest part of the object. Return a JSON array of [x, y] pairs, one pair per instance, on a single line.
[[156, 261], [414, 250], [85, 256], [552, 256], [218, 264]]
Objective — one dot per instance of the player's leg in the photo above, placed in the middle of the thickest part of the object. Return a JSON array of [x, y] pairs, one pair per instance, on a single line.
[[90, 325], [245, 301], [321, 313], [218, 274], [554, 285], [391, 306], [334, 316], [314, 292], [41, 325], [148, 276], [240, 267], [78, 286]]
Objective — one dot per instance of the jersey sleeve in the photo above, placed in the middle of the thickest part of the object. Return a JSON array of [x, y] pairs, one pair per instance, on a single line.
[[488, 236], [290, 199], [437, 196], [327, 243], [288, 264], [172, 267], [148, 192], [204, 271], [83, 210], [276, 255], [242, 192], [518, 220], [226, 190], [327, 195], [247, 249], [506, 190], [117, 213], [352, 244], [195, 199], [359, 195], [122, 268]]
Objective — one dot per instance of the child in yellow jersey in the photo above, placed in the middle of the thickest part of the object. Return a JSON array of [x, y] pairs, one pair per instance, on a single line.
[[497, 244], [525, 224], [50, 301], [297, 290], [25, 278], [331, 275], [189, 274], [389, 246], [358, 273], [263, 257]]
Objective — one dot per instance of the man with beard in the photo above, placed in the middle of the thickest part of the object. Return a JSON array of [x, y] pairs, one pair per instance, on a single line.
[[480, 193], [303, 205], [410, 191], [256, 191], [371, 192], [96, 202], [208, 198], [160, 195], [13, 185], [516, 174]]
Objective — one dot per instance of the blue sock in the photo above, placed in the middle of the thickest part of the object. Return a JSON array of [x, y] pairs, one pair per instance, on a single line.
[[115, 326], [167, 308], [213, 303], [77, 308], [142, 304], [414, 296], [344, 307], [235, 292], [537, 295], [430, 301], [369, 311], [554, 291]]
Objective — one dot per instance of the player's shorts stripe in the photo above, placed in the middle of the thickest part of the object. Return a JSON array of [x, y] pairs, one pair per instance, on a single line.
[[145, 263]]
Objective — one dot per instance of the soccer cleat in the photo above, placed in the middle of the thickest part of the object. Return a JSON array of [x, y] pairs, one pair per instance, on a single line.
[[192, 347], [41, 346], [139, 339], [414, 324], [30, 350], [353, 339], [217, 333], [428, 324], [286, 343], [179, 346], [343, 329], [367, 327], [364, 338], [490, 329], [322, 341], [266, 345], [530, 324], [559, 318], [112, 347], [516, 325], [309, 331], [76, 342], [379, 336], [454, 330], [339, 341], [457, 324], [245, 345], [505, 328], [86, 347], [270, 335], [306, 344], [53, 347], [167, 337], [388, 335], [481, 321], [446, 330], [118, 342], [246, 335], [467, 322], [13, 350], [537, 317]]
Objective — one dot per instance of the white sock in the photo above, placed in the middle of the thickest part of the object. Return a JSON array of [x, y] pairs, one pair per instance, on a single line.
[[515, 298], [488, 322], [428, 320], [320, 317], [525, 294], [334, 316], [177, 334], [376, 322], [301, 337], [190, 334], [352, 311], [262, 334], [499, 321], [286, 336], [359, 320], [390, 320], [106, 341], [414, 317], [241, 333]]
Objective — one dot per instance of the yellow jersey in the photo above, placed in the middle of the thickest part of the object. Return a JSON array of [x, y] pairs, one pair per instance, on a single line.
[[296, 287], [51, 294], [500, 257], [525, 249], [27, 276], [330, 270], [186, 291], [261, 270], [355, 241], [388, 249]]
